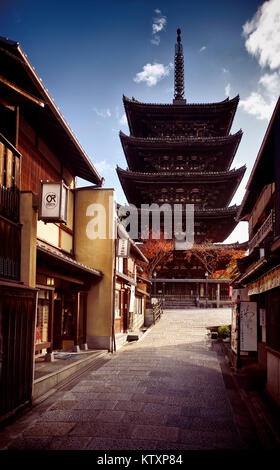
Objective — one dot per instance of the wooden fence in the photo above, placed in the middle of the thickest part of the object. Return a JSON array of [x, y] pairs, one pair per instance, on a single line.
[[157, 310]]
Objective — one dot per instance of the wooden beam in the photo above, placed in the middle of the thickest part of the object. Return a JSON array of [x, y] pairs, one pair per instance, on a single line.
[[22, 92], [51, 273]]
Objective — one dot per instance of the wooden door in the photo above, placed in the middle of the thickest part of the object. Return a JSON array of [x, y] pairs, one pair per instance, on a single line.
[[126, 310]]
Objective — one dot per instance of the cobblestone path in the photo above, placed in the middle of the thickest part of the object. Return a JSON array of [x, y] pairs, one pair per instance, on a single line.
[[164, 392]]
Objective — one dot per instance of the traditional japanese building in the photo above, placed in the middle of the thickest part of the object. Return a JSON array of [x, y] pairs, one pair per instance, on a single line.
[[258, 283], [182, 153]]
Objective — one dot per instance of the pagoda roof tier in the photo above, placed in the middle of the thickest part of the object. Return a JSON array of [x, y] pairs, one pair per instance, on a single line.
[[203, 189], [214, 225], [204, 152], [150, 119]]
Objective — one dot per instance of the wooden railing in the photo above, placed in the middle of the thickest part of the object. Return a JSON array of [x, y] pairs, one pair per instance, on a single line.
[[157, 310], [263, 231], [9, 203]]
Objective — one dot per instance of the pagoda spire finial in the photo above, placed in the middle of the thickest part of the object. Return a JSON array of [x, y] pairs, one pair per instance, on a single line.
[[179, 71]]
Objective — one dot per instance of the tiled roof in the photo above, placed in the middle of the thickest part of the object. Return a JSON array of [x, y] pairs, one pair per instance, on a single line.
[[57, 254]]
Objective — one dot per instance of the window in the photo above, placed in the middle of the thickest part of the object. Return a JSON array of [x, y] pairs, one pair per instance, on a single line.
[[119, 264], [42, 327], [138, 308]]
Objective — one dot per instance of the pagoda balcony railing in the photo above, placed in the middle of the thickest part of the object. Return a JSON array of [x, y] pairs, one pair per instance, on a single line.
[[182, 297], [263, 231]]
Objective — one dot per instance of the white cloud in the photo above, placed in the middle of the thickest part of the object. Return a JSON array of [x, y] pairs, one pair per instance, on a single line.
[[261, 103], [156, 40], [104, 113], [239, 234], [202, 49], [263, 34], [258, 106], [103, 166], [153, 73], [224, 70], [227, 89], [159, 23], [271, 82], [123, 120]]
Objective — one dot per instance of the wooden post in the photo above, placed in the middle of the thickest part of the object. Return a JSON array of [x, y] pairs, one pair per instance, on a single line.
[[197, 294], [84, 298], [51, 320], [218, 295], [77, 319]]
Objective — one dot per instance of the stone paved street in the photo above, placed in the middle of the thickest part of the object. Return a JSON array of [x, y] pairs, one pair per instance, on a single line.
[[163, 392]]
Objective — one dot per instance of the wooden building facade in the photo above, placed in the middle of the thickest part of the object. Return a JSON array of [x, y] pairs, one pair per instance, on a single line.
[[131, 289], [260, 270], [43, 285]]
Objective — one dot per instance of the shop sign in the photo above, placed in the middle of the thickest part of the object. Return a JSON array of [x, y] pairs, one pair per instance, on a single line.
[[248, 326], [53, 202], [123, 248], [234, 329], [132, 299]]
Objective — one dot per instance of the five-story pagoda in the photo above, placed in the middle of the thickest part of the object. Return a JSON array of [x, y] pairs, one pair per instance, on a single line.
[[181, 153]]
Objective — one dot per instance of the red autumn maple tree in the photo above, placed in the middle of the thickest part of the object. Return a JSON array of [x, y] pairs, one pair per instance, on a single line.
[[156, 251], [217, 260]]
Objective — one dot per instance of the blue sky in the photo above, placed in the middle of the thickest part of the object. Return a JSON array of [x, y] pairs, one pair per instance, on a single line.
[[89, 53]]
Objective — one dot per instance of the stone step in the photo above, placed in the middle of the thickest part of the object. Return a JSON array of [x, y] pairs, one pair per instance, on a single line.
[[51, 381]]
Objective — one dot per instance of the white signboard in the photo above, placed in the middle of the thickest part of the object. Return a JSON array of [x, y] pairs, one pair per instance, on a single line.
[[123, 248], [234, 331], [248, 326], [132, 298], [53, 202]]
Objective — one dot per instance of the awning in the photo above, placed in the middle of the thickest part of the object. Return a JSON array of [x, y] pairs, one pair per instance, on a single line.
[[142, 292], [126, 278], [65, 260]]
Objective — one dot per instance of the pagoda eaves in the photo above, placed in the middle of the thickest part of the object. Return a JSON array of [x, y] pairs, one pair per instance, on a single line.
[[188, 153], [204, 189], [151, 120]]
